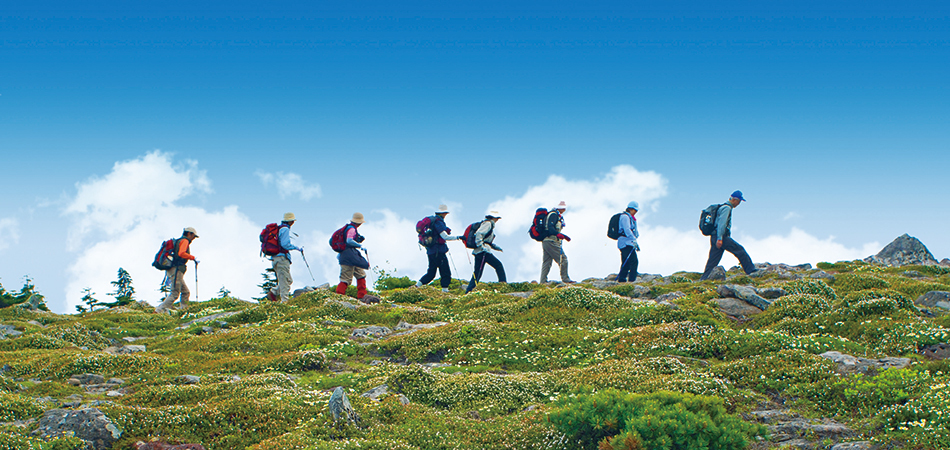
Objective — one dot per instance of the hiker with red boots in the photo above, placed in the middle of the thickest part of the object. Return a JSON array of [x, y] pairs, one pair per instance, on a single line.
[[348, 242], [280, 260]]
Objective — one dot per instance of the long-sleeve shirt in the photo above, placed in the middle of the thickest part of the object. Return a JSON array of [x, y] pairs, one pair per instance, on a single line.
[[484, 238], [442, 231], [628, 229], [351, 237], [184, 247], [724, 221], [284, 237]]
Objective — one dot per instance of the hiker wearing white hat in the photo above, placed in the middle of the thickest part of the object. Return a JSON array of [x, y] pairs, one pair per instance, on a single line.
[[281, 261], [551, 246], [433, 234], [484, 244], [352, 263], [175, 275], [627, 243]]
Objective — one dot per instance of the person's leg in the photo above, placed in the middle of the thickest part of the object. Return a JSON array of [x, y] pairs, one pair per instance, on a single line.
[[624, 263], [185, 294], [492, 261], [715, 255], [551, 250], [430, 273], [171, 280], [346, 275], [360, 275], [284, 280], [634, 265], [729, 244], [445, 274], [562, 263], [477, 274]]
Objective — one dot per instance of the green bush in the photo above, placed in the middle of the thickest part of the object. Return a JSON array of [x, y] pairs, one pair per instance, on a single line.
[[813, 287], [922, 422], [777, 372], [408, 296], [14, 407], [388, 283], [614, 420], [21, 440], [868, 395]]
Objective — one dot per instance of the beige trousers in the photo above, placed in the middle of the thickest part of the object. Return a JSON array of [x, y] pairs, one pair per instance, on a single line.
[[348, 272], [281, 265], [175, 280], [553, 253]]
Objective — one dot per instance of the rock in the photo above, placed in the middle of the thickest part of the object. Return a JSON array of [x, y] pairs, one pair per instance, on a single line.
[[33, 322], [520, 294], [848, 364], [648, 277], [912, 274], [602, 284], [936, 351], [188, 379], [403, 399], [376, 392], [822, 275], [9, 330], [158, 445], [744, 293], [302, 291], [903, 251], [945, 262], [667, 305], [34, 303], [346, 305], [858, 445], [798, 428], [718, 273], [90, 425], [370, 299], [934, 299], [421, 326], [125, 349], [372, 332], [341, 408], [670, 296], [88, 378], [771, 293], [209, 318], [736, 308], [114, 393]]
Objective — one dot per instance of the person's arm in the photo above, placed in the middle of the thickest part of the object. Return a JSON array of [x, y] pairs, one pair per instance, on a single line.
[[722, 219], [444, 232], [351, 238], [284, 237], [183, 249]]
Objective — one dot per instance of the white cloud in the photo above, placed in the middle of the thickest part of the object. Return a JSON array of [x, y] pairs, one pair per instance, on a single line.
[[9, 232], [121, 219], [791, 215], [289, 184]]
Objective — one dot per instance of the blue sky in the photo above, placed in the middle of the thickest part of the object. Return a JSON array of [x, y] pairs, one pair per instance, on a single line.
[[831, 117]]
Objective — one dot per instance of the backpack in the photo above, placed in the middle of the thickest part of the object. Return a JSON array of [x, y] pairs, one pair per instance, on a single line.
[[613, 227], [270, 240], [538, 230], [338, 239], [166, 258], [469, 234], [425, 231], [707, 219]]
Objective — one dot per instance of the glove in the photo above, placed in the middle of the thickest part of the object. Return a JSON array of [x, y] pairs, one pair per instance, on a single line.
[[564, 237], [301, 249], [636, 246], [497, 248], [363, 248]]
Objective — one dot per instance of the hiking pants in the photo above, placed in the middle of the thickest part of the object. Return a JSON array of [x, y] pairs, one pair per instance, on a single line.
[[553, 253], [731, 246], [438, 261], [480, 260], [348, 272], [281, 265], [628, 264], [175, 280]]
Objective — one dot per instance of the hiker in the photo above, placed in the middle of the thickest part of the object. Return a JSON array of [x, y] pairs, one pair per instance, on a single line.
[[352, 263], [175, 275], [552, 244], [627, 243], [437, 233], [281, 261], [484, 244], [721, 239]]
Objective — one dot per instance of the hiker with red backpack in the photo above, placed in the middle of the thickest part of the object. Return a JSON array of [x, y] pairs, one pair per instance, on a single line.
[[276, 244], [175, 274], [484, 238], [720, 237], [552, 244], [348, 242], [433, 234], [627, 243]]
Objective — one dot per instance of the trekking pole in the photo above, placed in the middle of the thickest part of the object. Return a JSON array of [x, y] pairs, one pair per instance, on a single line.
[[308, 266], [196, 281], [453, 262]]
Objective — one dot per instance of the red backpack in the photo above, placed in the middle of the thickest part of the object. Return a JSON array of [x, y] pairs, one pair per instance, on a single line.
[[425, 231], [166, 257], [270, 239], [338, 239], [538, 230]]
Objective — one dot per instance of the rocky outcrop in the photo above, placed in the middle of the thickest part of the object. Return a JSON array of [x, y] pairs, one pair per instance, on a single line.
[[745, 293], [905, 250], [8, 330], [159, 445], [341, 409], [936, 351], [90, 425], [934, 299], [847, 364], [736, 308], [789, 430], [371, 332]]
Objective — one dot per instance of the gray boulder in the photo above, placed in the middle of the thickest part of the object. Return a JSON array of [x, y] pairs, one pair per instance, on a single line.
[[718, 273], [847, 364], [188, 379], [86, 378], [936, 351], [341, 408], [934, 299], [822, 275], [736, 308], [302, 291], [744, 293], [376, 392], [858, 445], [372, 332], [90, 425], [8, 330], [771, 293], [125, 349], [665, 298], [904, 250], [602, 284]]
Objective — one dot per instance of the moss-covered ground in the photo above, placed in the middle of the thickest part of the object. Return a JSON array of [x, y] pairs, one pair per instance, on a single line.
[[503, 371]]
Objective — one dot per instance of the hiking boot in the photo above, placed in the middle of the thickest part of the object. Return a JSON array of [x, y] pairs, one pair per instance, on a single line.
[[271, 296]]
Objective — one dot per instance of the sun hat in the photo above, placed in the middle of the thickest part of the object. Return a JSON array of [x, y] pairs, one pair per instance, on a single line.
[[738, 195], [633, 205], [357, 218], [289, 217], [190, 230], [561, 205], [443, 209], [493, 215]]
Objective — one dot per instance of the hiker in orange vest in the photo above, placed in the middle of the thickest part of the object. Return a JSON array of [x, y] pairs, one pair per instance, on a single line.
[[175, 276]]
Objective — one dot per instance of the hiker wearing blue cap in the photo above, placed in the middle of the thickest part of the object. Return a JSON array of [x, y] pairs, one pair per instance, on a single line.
[[627, 243], [721, 240]]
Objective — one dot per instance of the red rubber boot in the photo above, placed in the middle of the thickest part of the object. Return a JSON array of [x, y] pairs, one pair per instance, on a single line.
[[360, 288], [341, 288]]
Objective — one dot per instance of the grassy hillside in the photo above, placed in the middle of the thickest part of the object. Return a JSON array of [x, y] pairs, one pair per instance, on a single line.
[[508, 366]]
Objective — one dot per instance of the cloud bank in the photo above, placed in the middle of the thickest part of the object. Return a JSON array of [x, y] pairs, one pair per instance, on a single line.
[[9, 232], [290, 184]]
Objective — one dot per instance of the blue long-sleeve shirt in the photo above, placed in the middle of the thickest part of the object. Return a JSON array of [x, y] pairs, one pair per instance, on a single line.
[[629, 232], [284, 236], [724, 221]]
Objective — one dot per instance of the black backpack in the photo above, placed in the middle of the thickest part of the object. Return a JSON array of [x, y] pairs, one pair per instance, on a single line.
[[469, 234], [613, 227], [707, 219]]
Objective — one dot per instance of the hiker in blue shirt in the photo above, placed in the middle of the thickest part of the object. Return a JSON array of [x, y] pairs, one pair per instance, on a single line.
[[437, 251], [627, 243], [721, 241]]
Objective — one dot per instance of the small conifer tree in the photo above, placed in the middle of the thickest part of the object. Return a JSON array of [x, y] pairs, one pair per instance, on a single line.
[[270, 281], [123, 289]]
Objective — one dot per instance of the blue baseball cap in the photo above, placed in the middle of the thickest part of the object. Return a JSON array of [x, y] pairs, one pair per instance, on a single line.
[[738, 195], [633, 205]]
